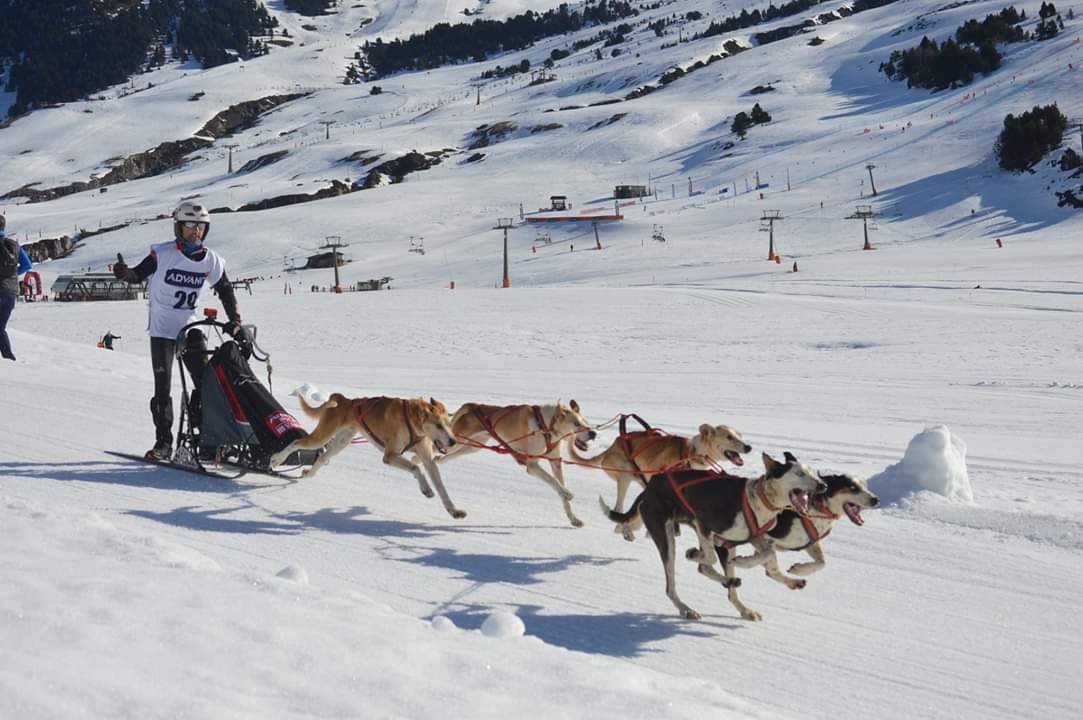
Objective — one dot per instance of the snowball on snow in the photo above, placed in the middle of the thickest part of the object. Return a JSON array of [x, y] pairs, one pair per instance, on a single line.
[[502, 624], [443, 623], [935, 461]]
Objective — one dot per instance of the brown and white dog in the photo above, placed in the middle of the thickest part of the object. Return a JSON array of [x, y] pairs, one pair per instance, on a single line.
[[529, 433], [843, 496], [635, 456], [395, 425], [723, 510]]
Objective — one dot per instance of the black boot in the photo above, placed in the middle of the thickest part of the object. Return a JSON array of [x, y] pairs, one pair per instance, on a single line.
[[162, 413]]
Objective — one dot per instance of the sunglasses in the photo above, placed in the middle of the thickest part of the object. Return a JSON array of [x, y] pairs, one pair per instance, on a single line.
[[192, 225]]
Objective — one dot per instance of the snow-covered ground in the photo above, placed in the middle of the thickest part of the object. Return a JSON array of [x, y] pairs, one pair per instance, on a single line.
[[132, 591]]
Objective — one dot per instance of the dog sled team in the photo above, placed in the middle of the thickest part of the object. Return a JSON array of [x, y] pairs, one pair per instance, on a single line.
[[788, 507]]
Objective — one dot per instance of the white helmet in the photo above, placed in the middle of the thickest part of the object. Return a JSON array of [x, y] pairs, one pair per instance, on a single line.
[[189, 211]]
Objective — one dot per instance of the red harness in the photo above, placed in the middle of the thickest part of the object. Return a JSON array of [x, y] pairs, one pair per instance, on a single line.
[[754, 527], [362, 408], [504, 445], [810, 527], [649, 436]]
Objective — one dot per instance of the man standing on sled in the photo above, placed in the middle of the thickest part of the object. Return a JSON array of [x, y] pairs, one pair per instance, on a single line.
[[179, 272]]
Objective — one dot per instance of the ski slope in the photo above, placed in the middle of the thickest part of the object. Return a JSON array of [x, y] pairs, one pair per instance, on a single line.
[[137, 591]]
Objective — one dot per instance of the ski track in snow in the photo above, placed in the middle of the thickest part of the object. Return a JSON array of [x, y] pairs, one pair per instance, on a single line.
[[958, 609]]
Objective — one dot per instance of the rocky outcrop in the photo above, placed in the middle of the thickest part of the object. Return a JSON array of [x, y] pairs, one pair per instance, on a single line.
[[49, 248], [243, 115], [335, 189], [485, 135], [167, 156], [393, 171], [263, 161]]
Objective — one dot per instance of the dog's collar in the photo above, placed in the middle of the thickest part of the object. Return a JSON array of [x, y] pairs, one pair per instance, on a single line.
[[762, 495], [754, 527], [414, 438], [825, 513], [546, 431]]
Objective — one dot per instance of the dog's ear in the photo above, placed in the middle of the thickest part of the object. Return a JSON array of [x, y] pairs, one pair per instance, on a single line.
[[432, 401], [705, 429], [769, 462], [789, 457], [574, 405]]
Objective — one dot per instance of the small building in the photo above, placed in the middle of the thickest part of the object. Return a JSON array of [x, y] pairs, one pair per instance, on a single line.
[[558, 202], [95, 286], [325, 260], [373, 284], [621, 192]]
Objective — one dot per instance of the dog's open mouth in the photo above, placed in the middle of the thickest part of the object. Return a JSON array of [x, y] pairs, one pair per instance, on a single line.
[[734, 457], [853, 511], [581, 445], [799, 499], [440, 446]]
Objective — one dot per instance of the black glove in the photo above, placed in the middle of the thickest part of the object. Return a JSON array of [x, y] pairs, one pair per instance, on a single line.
[[233, 326], [120, 269]]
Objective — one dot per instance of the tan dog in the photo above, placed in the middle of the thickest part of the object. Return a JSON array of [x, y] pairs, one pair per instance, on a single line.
[[395, 425], [529, 433], [640, 454]]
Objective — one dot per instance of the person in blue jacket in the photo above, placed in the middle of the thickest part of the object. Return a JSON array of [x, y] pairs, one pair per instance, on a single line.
[[13, 262]]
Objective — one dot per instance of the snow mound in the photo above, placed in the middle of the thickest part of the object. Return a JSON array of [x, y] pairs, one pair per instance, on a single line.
[[442, 623], [296, 573], [503, 624], [935, 461]]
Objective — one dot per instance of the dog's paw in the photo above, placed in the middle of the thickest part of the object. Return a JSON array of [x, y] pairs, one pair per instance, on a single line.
[[629, 536], [751, 615], [427, 492], [458, 514], [690, 614], [576, 522], [798, 584], [803, 569], [733, 583], [692, 554]]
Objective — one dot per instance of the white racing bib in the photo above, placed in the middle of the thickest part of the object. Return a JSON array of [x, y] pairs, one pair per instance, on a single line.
[[176, 287]]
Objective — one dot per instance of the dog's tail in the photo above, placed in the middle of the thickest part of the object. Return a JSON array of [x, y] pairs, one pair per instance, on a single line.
[[627, 522], [317, 411]]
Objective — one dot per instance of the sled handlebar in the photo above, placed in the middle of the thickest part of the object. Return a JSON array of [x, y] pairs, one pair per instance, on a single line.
[[243, 335]]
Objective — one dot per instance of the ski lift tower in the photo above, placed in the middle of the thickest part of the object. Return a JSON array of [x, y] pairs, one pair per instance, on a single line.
[[333, 243], [767, 225], [505, 224], [870, 167], [864, 213], [230, 147], [1078, 125]]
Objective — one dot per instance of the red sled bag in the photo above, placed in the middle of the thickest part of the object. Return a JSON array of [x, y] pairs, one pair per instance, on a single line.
[[239, 410]]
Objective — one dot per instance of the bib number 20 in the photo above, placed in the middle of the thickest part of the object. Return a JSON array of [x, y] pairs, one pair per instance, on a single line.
[[185, 300]]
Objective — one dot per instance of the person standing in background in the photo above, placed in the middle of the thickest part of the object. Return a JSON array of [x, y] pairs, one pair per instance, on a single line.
[[13, 262]]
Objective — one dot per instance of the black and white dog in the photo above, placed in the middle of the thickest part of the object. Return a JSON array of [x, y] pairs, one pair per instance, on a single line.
[[844, 496], [723, 509]]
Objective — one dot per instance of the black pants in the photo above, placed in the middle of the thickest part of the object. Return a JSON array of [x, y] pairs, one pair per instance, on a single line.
[[194, 358], [7, 304]]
